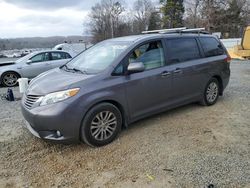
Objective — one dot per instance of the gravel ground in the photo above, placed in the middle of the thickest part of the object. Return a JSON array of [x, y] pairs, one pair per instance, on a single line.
[[192, 146]]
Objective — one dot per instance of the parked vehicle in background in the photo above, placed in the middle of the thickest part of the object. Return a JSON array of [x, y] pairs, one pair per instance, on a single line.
[[73, 48], [2, 56], [31, 65], [122, 80]]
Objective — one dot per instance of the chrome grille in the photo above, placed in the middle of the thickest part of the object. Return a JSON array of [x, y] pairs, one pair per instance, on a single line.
[[30, 100]]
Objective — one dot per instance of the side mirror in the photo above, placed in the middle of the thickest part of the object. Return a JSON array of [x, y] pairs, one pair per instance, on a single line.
[[29, 62], [135, 67]]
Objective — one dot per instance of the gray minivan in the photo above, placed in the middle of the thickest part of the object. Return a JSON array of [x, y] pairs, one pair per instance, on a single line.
[[121, 80]]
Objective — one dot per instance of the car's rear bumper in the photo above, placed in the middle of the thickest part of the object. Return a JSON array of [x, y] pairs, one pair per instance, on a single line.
[[226, 77]]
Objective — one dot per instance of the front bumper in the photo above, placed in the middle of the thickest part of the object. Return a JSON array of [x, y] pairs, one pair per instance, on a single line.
[[59, 122], [32, 131]]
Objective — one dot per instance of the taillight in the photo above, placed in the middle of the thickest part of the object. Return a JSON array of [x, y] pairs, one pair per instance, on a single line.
[[228, 58]]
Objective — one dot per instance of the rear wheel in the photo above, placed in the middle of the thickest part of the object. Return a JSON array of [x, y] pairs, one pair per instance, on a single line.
[[9, 79], [211, 93], [101, 125]]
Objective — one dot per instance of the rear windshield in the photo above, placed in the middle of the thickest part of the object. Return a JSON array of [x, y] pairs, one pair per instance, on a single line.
[[211, 46]]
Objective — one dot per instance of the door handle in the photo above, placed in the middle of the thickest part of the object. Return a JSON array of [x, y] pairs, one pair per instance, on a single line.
[[178, 71], [165, 74]]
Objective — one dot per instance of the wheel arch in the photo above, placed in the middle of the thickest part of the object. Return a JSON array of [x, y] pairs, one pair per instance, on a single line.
[[19, 75], [116, 104], [218, 77]]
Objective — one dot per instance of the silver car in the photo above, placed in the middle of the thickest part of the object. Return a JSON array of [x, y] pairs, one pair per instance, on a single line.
[[31, 65]]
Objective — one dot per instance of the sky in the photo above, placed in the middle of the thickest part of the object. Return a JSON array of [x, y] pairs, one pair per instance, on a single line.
[[33, 18]]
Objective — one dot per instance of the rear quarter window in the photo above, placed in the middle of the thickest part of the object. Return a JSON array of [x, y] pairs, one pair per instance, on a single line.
[[182, 49], [211, 46], [67, 56], [59, 55]]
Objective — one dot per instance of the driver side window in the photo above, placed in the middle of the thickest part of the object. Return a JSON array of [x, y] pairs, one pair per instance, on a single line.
[[40, 57], [150, 54]]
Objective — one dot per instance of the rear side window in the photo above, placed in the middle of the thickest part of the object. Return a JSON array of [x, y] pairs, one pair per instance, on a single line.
[[211, 47], [182, 49], [59, 55]]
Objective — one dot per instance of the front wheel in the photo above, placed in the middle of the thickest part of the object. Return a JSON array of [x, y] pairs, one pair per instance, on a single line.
[[101, 125], [211, 93], [9, 79]]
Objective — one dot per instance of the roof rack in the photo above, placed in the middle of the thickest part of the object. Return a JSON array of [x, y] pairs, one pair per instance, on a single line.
[[178, 30], [195, 30], [164, 30]]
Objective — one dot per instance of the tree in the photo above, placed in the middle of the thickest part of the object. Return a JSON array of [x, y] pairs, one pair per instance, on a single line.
[[105, 18], [115, 9], [2, 45], [142, 13], [154, 21], [213, 12], [246, 13], [193, 18], [233, 18], [223, 16], [238, 16], [108, 19], [173, 11]]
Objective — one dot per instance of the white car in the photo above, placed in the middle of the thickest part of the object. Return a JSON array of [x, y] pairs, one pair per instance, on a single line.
[[31, 65]]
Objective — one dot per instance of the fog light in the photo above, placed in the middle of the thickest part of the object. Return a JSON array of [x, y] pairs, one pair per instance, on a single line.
[[51, 135]]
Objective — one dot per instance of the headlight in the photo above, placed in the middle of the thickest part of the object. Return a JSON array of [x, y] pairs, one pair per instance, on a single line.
[[57, 96]]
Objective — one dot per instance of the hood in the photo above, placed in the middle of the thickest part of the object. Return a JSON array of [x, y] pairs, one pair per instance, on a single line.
[[7, 63], [54, 80]]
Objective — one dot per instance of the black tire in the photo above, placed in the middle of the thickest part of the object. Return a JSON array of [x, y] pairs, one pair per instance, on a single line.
[[210, 96], [13, 76], [92, 128]]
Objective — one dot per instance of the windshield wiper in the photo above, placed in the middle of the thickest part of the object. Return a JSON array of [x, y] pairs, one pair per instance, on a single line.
[[78, 70], [66, 66], [74, 69]]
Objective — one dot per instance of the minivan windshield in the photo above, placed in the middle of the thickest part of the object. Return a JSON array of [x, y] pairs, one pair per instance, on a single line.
[[98, 57]]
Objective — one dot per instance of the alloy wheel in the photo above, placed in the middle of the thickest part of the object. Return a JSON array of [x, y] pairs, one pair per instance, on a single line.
[[212, 92], [103, 125], [10, 79]]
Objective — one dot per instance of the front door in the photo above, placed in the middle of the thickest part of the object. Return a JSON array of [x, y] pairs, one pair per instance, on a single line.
[[36, 65], [148, 91]]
